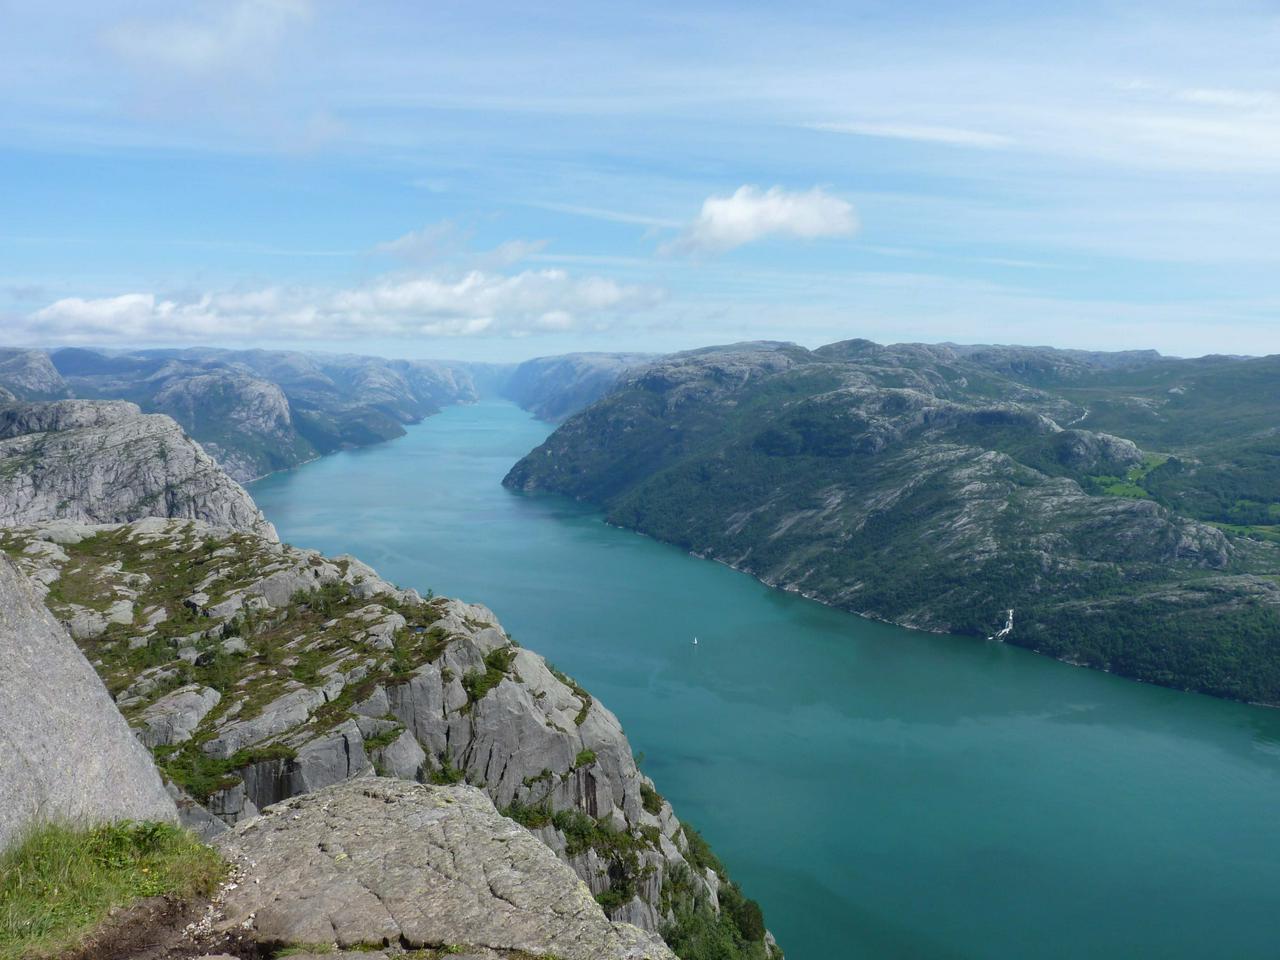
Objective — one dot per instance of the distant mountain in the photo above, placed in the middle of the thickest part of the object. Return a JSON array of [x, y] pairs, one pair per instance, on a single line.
[[29, 375], [553, 388], [258, 411], [938, 487]]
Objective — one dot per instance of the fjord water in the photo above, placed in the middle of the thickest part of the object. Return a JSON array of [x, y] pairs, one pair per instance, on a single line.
[[883, 793]]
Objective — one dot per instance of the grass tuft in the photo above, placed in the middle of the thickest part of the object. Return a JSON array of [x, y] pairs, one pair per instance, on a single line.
[[61, 882]]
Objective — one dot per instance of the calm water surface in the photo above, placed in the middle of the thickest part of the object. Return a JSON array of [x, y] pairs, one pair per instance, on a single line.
[[882, 793]]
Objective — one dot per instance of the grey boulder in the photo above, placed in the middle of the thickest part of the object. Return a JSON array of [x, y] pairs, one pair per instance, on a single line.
[[175, 716], [385, 861]]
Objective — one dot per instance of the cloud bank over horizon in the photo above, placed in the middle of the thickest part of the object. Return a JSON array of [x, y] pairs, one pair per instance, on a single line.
[[473, 304]]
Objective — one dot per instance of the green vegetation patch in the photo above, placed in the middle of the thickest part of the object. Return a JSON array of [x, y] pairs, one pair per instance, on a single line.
[[497, 665], [447, 774], [202, 775], [61, 882], [650, 799], [737, 932], [535, 816]]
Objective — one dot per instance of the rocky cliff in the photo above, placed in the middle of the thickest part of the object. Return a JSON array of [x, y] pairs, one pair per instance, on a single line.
[[258, 672], [930, 487], [106, 461], [66, 753]]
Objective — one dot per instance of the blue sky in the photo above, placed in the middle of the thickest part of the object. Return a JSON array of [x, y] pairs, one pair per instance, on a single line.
[[497, 181]]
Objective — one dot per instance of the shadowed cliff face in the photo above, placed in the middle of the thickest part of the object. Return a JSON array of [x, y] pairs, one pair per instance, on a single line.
[[256, 672], [105, 462], [923, 486]]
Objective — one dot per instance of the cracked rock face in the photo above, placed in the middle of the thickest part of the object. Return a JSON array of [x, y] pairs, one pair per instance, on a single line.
[[105, 462], [379, 861], [65, 751]]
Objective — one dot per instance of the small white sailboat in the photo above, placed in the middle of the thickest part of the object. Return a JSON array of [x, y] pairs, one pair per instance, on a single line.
[[695, 641]]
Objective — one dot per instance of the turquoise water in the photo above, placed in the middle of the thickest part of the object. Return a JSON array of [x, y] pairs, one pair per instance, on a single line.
[[882, 793]]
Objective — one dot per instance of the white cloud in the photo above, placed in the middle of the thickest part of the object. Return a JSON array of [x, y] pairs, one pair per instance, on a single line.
[[230, 36], [928, 133], [475, 303], [751, 214]]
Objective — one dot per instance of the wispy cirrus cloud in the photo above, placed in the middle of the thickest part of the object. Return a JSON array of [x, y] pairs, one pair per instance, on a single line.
[[750, 214], [446, 242], [600, 213], [1236, 99], [231, 35], [926, 133]]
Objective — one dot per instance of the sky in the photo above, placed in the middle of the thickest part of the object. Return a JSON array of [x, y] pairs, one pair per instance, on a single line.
[[499, 181]]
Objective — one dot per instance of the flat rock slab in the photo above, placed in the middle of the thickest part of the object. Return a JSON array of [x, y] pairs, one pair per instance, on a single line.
[[379, 861]]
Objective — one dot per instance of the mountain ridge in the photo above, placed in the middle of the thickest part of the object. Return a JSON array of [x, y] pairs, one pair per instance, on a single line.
[[912, 484]]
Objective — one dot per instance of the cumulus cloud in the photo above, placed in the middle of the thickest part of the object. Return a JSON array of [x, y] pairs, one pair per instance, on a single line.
[[472, 304], [751, 214]]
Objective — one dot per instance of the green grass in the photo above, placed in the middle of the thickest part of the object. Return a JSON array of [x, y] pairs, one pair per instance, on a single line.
[[1131, 484], [60, 882]]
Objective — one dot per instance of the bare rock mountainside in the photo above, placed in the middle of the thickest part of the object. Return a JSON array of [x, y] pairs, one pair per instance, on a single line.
[[257, 672], [941, 487], [66, 753], [105, 461]]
